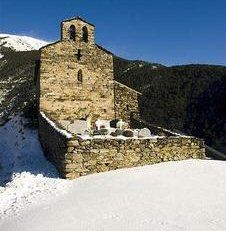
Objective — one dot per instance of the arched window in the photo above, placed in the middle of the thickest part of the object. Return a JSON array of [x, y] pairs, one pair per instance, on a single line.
[[79, 76], [85, 34], [72, 32]]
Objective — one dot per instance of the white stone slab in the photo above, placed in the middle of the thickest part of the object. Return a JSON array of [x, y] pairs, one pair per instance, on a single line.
[[78, 127], [145, 132]]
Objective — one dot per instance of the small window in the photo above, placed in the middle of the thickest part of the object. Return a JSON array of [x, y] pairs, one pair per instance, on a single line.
[[80, 76], [85, 34], [72, 32]]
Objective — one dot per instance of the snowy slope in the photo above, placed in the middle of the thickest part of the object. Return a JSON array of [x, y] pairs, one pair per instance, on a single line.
[[174, 196], [186, 195], [31, 178], [21, 43]]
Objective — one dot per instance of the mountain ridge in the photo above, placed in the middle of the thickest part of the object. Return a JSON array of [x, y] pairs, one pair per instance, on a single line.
[[20, 42]]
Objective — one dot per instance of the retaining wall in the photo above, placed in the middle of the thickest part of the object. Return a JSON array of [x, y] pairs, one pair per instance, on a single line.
[[75, 157]]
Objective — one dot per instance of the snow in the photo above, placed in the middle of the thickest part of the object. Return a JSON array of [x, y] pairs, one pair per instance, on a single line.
[[119, 137], [62, 131], [183, 195], [186, 195], [30, 177], [21, 43]]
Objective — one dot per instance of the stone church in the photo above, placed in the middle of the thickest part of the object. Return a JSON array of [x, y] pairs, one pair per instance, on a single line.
[[76, 84], [77, 78]]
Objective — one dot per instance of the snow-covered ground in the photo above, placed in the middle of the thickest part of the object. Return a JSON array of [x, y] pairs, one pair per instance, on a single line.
[[186, 195], [25, 175], [21, 43]]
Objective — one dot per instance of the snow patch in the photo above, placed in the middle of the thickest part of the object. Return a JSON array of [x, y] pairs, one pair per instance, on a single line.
[[21, 43], [31, 178], [120, 137], [62, 131]]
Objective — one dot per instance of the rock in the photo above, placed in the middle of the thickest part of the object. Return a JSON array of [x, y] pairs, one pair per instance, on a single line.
[[113, 134], [103, 131], [113, 123], [100, 132], [118, 132], [128, 133], [96, 133], [73, 143]]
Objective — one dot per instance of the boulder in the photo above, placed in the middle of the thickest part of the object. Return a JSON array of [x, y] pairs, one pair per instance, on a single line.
[[103, 131], [128, 133], [117, 132]]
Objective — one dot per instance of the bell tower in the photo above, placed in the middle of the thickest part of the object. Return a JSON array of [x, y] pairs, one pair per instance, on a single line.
[[78, 30], [76, 75]]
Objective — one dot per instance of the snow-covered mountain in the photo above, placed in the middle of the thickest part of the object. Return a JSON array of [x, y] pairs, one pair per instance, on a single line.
[[21, 43], [17, 73]]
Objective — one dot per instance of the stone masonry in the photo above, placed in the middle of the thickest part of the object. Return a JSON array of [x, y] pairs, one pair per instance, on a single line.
[[76, 82], [75, 157], [126, 102], [64, 94]]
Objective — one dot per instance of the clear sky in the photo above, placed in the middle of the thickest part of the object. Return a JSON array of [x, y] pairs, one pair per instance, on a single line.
[[164, 31]]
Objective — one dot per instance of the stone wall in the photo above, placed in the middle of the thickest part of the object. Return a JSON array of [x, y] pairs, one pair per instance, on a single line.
[[53, 143], [75, 157], [61, 93], [126, 102]]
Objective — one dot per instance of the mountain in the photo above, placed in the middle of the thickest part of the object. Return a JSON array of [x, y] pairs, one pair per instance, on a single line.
[[20, 43], [188, 98], [18, 56]]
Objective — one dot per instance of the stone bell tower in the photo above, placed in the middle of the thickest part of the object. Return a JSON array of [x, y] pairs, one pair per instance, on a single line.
[[76, 75], [78, 30]]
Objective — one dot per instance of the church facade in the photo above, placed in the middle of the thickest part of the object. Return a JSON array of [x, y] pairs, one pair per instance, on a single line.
[[77, 78]]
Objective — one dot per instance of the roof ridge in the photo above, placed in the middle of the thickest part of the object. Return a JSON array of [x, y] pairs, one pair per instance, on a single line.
[[78, 18]]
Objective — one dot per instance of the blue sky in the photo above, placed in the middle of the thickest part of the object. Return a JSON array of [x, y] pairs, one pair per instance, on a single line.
[[164, 31]]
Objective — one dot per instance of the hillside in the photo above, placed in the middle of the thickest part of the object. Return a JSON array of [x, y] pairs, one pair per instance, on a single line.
[[18, 55], [17, 89], [189, 98]]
